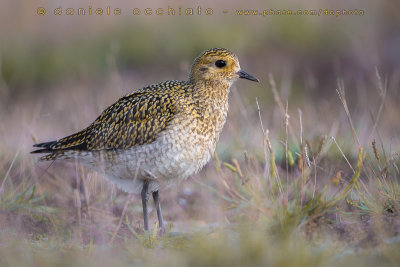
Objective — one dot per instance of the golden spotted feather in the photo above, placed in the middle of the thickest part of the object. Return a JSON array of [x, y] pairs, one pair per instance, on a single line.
[[133, 120]]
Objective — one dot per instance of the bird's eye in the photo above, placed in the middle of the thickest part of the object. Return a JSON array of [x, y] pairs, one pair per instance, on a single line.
[[220, 63]]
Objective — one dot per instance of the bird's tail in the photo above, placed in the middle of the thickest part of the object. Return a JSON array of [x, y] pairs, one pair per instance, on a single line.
[[47, 147], [57, 149]]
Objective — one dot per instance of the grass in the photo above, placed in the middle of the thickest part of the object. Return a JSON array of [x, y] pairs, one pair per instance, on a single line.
[[316, 204]]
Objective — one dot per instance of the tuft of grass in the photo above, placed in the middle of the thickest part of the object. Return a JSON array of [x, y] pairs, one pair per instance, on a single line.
[[24, 200]]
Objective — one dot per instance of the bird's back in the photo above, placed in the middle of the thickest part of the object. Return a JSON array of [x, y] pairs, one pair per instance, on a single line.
[[134, 120]]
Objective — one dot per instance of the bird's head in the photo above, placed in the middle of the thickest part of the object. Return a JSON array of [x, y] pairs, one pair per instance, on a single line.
[[218, 65]]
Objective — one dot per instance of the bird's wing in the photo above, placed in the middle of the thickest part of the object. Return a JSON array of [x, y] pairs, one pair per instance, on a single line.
[[133, 120]]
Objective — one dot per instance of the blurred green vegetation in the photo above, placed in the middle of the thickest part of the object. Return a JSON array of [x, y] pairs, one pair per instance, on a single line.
[[30, 64]]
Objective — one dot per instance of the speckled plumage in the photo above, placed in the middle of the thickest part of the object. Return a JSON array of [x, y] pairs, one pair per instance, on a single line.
[[160, 133]]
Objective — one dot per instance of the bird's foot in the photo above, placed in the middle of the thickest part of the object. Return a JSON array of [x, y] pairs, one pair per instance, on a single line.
[[162, 229]]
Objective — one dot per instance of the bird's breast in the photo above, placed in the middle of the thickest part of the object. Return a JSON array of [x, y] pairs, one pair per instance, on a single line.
[[198, 131]]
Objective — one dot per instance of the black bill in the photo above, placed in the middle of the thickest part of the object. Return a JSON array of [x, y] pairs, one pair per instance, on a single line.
[[247, 76]]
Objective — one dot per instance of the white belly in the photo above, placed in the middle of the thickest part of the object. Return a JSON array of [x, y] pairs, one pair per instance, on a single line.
[[162, 163]]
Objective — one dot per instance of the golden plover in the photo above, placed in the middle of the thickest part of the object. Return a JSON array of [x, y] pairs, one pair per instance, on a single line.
[[159, 134]]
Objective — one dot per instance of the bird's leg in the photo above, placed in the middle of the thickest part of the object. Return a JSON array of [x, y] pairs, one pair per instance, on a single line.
[[145, 198], [156, 198]]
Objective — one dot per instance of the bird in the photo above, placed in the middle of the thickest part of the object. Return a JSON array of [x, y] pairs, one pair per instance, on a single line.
[[157, 135]]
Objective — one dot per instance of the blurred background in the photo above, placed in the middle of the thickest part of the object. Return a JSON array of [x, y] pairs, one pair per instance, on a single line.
[[58, 72]]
